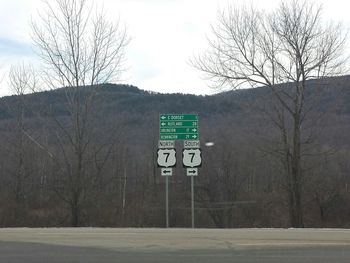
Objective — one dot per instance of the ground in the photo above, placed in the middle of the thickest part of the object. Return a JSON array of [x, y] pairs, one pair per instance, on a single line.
[[173, 245]]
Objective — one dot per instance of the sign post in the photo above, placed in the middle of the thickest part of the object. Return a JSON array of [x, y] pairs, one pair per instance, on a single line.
[[166, 202], [166, 159], [192, 201], [191, 158], [173, 127]]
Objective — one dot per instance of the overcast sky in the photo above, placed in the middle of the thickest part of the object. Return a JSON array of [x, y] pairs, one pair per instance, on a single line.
[[165, 34]]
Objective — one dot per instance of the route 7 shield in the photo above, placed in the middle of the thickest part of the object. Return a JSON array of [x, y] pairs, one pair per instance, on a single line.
[[166, 157], [191, 157]]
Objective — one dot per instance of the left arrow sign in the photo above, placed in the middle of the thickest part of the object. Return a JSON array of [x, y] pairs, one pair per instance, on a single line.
[[167, 171]]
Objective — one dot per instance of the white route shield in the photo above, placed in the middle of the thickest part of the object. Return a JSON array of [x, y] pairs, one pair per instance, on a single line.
[[191, 157], [166, 157]]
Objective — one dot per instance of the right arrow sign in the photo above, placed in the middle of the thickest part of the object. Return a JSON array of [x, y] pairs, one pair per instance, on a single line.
[[191, 157], [192, 171]]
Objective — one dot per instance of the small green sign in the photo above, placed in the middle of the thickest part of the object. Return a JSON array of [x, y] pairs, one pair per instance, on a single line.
[[173, 124], [181, 136], [178, 117], [179, 130]]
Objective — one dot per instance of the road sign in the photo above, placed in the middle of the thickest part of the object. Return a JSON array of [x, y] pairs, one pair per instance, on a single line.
[[178, 127], [192, 171], [178, 117], [191, 157], [178, 130], [191, 144], [166, 144], [166, 157], [174, 127], [182, 136], [167, 171], [178, 124]]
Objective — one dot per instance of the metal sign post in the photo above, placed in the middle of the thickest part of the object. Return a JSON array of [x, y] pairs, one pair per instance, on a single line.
[[166, 202], [191, 158], [166, 159], [192, 200]]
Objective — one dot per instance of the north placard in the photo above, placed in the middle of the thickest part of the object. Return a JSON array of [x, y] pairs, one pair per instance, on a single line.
[[166, 144]]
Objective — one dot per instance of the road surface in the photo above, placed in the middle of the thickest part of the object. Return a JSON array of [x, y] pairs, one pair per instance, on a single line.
[[21, 245]]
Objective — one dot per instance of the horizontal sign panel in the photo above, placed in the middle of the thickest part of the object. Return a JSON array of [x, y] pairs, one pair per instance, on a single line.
[[164, 124], [178, 130], [192, 144], [166, 171], [192, 171], [180, 136], [166, 144], [178, 117]]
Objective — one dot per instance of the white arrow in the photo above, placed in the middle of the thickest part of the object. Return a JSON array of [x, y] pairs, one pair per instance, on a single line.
[[194, 136], [194, 130], [163, 117], [192, 171], [163, 123]]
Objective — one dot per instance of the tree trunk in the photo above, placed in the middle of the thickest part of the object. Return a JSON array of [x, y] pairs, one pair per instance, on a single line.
[[296, 186], [75, 213]]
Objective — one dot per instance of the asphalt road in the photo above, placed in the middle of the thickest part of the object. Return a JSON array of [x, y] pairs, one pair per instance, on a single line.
[[20, 245]]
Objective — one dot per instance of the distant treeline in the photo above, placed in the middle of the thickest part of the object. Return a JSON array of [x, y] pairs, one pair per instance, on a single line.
[[93, 162]]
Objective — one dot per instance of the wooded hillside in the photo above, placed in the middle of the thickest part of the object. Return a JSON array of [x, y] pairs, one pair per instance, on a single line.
[[240, 184]]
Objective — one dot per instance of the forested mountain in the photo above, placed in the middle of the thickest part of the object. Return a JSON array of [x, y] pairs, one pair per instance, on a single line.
[[241, 182]]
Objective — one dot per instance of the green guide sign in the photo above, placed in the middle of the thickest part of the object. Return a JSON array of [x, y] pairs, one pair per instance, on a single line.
[[178, 127]]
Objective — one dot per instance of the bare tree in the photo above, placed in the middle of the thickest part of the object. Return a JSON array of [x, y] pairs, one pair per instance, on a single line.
[[22, 80], [78, 48], [291, 44]]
